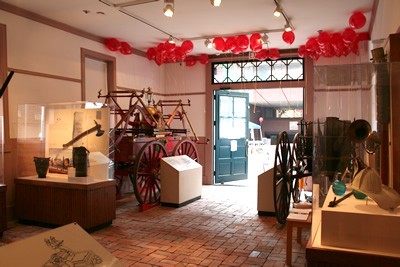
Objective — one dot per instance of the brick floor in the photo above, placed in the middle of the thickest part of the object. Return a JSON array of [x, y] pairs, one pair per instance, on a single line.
[[221, 229]]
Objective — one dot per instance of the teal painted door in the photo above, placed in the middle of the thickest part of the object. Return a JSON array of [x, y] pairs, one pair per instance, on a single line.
[[231, 134]]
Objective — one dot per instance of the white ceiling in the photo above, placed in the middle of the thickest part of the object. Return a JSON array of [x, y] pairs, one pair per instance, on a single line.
[[144, 25], [198, 19]]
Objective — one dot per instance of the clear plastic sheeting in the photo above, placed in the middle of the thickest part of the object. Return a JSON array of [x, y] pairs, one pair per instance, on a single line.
[[343, 94]]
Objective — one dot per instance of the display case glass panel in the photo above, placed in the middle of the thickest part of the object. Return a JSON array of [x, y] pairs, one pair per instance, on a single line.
[[54, 130], [350, 103]]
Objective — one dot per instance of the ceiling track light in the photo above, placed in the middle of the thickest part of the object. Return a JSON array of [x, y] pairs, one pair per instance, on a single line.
[[208, 43], [171, 40], [216, 2], [278, 11], [169, 8]]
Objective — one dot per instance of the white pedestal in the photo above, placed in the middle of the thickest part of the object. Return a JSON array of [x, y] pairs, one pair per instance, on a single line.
[[98, 166], [181, 181], [265, 193], [358, 224]]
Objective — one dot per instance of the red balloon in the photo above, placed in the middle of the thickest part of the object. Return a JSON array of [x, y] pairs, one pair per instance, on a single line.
[[170, 56], [302, 51], [219, 43], [180, 54], [125, 49], [113, 44], [236, 50], [288, 37], [357, 20], [255, 40], [160, 47], [230, 43], [187, 46], [169, 46], [311, 44], [242, 41], [323, 38], [151, 53], [363, 36], [349, 35], [274, 53], [203, 58], [262, 54], [314, 56], [159, 59], [256, 48], [190, 61]]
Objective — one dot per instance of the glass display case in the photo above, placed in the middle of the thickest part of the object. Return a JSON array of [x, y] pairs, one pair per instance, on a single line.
[[351, 125], [346, 112], [60, 132]]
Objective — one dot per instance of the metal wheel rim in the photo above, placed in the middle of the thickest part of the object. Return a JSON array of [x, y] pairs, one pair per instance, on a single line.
[[282, 177], [188, 148], [146, 173], [297, 166]]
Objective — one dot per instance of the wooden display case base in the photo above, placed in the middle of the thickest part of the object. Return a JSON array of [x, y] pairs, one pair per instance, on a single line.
[[53, 201], [3, 209]]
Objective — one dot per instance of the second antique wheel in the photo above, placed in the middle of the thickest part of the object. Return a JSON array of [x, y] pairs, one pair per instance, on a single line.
[[298, 165], [186, 147], [282, 177], [146, 173]]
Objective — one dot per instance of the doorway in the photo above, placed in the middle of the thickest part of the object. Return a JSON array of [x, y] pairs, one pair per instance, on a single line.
[[230, 136], [269, 111]]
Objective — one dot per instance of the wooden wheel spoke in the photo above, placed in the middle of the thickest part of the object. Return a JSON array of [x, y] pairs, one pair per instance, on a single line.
[[282, 177], [146, 176], [188, 148]]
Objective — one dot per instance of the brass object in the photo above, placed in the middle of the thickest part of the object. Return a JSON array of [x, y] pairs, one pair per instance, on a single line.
[[360, 132]]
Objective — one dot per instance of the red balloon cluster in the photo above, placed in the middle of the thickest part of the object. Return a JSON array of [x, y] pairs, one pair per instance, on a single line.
[[169, 52], [272, 53], [237, 44], [191, 60], [113, 44], [338, 43]]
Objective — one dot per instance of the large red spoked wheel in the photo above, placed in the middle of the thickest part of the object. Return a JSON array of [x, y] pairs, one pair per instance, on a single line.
[[186, 147], [146, 173], [282, 177]]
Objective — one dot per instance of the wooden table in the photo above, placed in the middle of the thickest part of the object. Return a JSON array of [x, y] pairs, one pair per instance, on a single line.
[[56, 201], [290, 224]]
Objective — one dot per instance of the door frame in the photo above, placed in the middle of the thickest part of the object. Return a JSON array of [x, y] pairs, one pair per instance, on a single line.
[[208, 170], [111, 69]]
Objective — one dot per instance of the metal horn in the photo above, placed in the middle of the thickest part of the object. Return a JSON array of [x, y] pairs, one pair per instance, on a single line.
[[359, 131]]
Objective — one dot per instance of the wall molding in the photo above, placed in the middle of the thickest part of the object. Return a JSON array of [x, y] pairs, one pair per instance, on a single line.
[[45, 75]]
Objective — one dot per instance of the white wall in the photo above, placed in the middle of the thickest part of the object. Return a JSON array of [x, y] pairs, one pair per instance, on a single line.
[[35, 47], [387, 19], [182, 80]]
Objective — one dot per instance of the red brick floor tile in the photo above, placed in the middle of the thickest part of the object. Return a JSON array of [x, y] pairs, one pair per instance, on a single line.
[[220, 229]]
